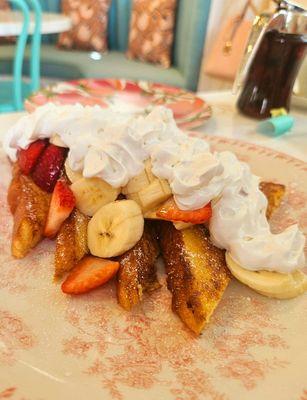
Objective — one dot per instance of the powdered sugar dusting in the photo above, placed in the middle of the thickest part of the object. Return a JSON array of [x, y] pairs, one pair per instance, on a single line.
[[89, 343]]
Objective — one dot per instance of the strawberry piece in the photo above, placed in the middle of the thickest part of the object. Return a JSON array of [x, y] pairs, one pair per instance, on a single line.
[[27, 158], [88, 274], [49, 167], [61, 205], [170, 212]]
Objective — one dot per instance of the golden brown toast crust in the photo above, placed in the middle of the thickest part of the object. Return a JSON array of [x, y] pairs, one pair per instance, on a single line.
[[30, 214], [274, 192], [197, 274], [71, 243], [137, 272], [14, 189]]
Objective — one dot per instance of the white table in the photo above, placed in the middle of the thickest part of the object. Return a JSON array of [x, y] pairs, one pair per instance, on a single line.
[[226, 121], [11, 23]]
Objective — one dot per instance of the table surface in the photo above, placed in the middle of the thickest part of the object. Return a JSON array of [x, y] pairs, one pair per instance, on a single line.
[[11, 23], [226, 121]]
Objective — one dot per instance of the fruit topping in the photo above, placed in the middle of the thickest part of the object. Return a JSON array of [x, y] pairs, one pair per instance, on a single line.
[[61, 205], [147, 190], [93, 193], [115, 228], [88, 274], [27, 158], [170, 212], [49, 167]]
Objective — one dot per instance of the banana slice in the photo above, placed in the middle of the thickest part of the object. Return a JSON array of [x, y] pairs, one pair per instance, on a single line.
[[93, 193], [73, 176], [180, 226], [115, 228], [57, 141], [140, 181], [152, 195], [270, 284], [147, 190]]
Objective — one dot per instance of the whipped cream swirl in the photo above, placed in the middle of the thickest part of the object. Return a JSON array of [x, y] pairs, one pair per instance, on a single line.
[[113, 146]]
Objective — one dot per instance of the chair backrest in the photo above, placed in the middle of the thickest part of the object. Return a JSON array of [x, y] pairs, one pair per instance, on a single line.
[[18, 88], [35, 46], [20, 48], [50, 6]]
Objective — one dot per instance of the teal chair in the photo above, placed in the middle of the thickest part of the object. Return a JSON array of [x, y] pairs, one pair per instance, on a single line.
[[191, 24], [13, 92]]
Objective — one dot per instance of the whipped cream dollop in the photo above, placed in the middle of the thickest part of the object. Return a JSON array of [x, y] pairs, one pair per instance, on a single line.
[[113, 146]]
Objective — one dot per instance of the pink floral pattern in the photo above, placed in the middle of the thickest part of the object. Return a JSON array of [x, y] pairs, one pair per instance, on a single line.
[[14, 335], [249, 345], [147, 342], [189, 111], [7, 393]]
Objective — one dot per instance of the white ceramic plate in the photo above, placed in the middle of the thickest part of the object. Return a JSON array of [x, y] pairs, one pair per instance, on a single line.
[[58, 347]]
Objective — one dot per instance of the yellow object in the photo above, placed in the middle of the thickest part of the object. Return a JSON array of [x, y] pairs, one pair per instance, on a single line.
[[270, 284], [276, 112], [57, 141], [115, 228], [147, 190], [140, 181], [182, 225], [73, 176], [93, 193]]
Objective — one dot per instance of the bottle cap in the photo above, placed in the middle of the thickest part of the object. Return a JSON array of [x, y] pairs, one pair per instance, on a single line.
[[276, 126]]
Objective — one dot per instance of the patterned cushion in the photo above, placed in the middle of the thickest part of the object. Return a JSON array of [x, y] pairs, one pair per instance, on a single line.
[[152, 31], [4, 5], [89, 20]]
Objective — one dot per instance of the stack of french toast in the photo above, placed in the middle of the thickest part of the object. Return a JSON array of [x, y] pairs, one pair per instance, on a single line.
[[101, 232]]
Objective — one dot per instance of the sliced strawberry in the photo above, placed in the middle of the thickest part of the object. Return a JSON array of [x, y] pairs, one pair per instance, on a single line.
[[27, 158], [61, 205], [170, 212], [49, 166], [88, 274]]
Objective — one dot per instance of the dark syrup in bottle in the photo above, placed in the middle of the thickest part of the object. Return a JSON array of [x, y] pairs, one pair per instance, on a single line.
[[272, 74]]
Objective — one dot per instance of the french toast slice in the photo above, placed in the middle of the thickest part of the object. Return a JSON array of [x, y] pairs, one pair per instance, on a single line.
[[196, 270], [71, 243], [137, 272], [197, 274], [274, 192], [14, 189], [30, 210]]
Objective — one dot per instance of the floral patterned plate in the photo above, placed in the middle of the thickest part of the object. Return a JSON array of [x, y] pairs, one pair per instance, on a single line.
[[138, 97], [54, 346]]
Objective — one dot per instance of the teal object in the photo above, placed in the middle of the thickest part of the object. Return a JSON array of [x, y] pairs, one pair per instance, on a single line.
[[13, 93], [190, 31], [276, 126], [35, 46]]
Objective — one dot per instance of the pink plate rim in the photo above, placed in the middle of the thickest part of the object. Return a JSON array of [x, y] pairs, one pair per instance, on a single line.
[[190, 111]]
